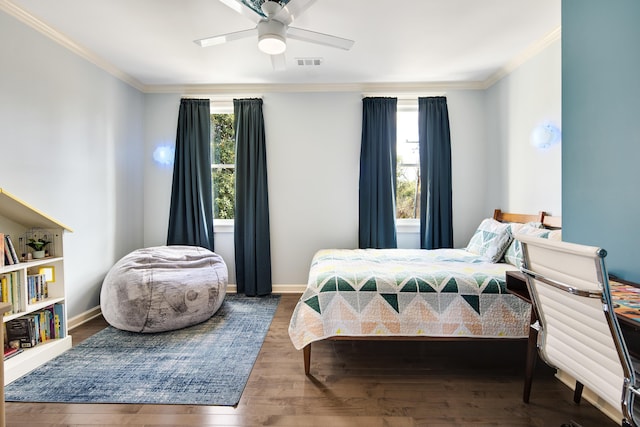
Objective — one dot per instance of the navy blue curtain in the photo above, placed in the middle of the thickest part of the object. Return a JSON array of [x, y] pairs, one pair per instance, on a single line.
[[252, 239], [436, 218], [191, 208], [377, 214]]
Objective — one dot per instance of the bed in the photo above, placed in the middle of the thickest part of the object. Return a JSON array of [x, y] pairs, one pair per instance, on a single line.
[[414, 294]]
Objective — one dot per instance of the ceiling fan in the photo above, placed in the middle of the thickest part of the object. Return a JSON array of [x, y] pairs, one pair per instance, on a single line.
[[273, 19]]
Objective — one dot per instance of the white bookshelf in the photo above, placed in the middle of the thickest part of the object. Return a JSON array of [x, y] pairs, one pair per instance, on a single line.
[[18, 219]]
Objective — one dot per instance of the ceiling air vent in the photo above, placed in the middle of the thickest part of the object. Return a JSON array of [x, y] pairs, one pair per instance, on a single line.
[[308, 62]]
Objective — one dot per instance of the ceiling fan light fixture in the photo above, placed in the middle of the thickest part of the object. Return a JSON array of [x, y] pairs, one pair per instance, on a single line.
[[272, 44], [271, 37]]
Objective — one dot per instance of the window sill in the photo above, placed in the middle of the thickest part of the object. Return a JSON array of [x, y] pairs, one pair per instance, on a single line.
[[402, 225], [405, 225], [223, 225]]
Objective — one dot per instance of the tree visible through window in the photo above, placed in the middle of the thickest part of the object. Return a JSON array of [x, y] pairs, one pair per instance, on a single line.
[[223, 166], [408, 166]]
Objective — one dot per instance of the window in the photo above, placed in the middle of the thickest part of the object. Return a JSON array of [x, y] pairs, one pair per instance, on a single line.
[[223, 165], [408, 164]]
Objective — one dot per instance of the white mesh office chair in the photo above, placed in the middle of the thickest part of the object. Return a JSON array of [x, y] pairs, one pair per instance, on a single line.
[[579, 332]]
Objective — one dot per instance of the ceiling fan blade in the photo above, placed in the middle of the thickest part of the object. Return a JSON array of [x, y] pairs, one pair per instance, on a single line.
[[292, 10], [224, 38], [246, 8], [319, 38], [278, 62]]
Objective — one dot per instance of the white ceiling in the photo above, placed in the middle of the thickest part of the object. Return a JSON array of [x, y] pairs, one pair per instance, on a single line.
[[150, 42]]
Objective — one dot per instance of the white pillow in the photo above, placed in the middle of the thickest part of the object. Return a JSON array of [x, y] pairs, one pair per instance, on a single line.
[[513, 254], [490, 240], [514, 251]]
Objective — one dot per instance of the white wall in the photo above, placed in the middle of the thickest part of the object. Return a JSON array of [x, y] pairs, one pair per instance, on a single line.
[[161, 121], [71, 144], [313, 152], [313, 156], [468, 150], [521, 177]]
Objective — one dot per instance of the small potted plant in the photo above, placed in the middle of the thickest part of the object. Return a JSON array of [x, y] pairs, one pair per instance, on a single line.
[[38, 246]]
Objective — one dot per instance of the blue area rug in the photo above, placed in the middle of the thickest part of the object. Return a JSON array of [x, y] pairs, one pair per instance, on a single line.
[[205, 364]]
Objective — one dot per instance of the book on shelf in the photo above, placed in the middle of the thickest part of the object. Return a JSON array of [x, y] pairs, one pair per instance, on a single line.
[[37, 288], [22, 330], [16, 292], [2, 262], [5, 289], [37, 327], [12, 250], [59, 320], [10, 291], [9, 352], [8, 259]]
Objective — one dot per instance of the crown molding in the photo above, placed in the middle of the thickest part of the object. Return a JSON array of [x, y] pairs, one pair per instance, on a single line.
[[525, 56], [371, 88], [50, 32], [230, 90]]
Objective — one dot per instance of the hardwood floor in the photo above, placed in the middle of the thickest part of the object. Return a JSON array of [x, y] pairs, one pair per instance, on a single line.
[[354, 384]]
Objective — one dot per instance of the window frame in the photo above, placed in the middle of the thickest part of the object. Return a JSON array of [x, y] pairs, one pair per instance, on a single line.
[[222, 107], [408, 225]]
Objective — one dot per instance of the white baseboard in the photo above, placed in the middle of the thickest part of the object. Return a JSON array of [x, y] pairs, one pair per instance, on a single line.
[[289, 289], [78, 320]]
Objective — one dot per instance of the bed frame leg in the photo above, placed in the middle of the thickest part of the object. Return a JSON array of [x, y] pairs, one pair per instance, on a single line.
[[306, 352]]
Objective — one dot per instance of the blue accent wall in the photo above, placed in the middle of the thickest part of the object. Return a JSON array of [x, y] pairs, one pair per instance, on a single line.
[[601, 129]]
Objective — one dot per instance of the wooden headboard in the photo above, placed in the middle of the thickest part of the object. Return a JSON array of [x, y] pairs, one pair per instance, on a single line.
[[554, 222], [547, 220]]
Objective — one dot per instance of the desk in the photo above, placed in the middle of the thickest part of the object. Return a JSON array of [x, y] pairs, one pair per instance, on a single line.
[[626, 298]]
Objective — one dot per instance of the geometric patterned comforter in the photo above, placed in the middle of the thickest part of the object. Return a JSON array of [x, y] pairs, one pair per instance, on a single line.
[[406, 292]]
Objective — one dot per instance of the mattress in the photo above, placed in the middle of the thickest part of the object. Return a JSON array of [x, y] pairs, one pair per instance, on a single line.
[[406, 293]]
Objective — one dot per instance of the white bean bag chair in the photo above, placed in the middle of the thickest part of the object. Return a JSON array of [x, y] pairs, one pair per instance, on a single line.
[[163, 288]]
